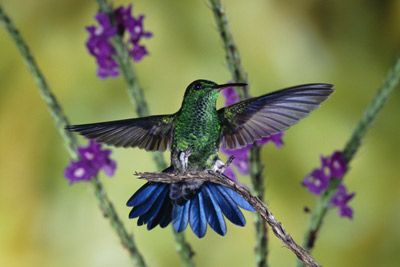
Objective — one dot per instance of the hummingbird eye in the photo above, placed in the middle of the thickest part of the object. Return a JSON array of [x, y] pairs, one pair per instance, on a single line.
[[197, 86]]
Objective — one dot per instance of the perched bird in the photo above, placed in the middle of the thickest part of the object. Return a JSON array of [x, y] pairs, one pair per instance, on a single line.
[[194, 134]]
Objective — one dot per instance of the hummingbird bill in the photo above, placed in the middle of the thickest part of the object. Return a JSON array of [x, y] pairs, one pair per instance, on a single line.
[[193, 135]]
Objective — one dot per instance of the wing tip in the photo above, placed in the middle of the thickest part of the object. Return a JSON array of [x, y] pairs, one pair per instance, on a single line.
[[76, 128], [317, 86], [70, 128]]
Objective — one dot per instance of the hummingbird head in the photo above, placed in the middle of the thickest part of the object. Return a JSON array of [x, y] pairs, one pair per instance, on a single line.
[[200, 89]]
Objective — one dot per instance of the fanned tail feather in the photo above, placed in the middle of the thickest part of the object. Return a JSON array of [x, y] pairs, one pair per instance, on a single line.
[[180, 213], [214, 214], [153, 206]]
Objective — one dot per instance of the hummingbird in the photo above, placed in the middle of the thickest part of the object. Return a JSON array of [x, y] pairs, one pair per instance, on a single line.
[[194, 135]]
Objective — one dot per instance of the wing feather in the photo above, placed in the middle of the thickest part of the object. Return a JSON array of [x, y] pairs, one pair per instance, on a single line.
[[255, 118], [152, 133]]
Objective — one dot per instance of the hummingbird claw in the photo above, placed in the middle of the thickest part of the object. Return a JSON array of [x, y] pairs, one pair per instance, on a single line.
[[219, 166], [184, 159]]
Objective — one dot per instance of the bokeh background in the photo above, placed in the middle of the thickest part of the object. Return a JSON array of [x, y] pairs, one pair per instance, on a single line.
[[46, 222]]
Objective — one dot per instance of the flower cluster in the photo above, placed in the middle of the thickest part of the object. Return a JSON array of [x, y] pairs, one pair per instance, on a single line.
[[99, 41], [242, 155], [91, 160], [333, 167]]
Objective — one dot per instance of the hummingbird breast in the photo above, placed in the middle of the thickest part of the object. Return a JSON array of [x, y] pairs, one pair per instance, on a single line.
[[197, 129]]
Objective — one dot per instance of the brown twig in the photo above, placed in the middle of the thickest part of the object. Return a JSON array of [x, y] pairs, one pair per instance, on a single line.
[[258, 205]]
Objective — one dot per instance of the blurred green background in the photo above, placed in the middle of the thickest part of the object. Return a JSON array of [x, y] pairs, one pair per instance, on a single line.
[[46, 222]]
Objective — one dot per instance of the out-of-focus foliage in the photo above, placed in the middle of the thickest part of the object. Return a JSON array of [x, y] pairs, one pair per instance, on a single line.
[[46, 222]]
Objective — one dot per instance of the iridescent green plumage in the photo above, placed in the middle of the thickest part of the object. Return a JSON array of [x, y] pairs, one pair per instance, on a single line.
[[197, 126]]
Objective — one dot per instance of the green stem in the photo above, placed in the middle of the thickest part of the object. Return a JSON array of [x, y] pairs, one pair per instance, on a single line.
[[137, 98], [391, 82], [54, 108], [109, 212], [232, 55], [256, 169], [239, 75], [69, 139], [135, 92], [318, 215], [349, 152], [185, 251]]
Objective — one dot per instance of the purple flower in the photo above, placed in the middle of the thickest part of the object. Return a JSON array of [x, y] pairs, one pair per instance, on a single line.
[[332, 167], [316, 182], [91, 160], [337, 165], [230, 174], [340, 200], [99, 41], [109, 167], [79, 171], [138, 52], [274, 138], [98, 158], [326, 167], [136, 29], [99, 46], [231, 96], [241, 158]]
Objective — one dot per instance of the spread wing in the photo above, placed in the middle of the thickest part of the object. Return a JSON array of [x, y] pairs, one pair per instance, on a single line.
[[152, 133], [249, 120]]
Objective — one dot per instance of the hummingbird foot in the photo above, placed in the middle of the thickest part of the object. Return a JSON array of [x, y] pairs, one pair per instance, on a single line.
[[184, 159], [220, 166]]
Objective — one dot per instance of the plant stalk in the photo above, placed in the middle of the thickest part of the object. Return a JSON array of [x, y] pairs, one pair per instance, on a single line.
[[138, 99], [256, 171], [70, 141], [353, 144]]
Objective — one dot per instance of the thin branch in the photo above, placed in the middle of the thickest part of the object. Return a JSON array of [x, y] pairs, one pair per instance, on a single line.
[[349, 151], [137, 98], [256, 167], [258, 205], [61, 121]]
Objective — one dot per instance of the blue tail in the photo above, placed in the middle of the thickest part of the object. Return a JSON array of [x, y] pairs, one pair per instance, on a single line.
[[152, 204]]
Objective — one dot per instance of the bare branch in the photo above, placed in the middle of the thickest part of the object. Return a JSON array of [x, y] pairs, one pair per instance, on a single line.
[[258, 205]]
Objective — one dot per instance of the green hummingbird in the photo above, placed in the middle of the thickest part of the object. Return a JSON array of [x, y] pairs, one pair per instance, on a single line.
[[194, 134]]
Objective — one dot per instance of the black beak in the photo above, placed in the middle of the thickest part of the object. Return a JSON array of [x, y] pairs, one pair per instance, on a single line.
[[222, 86]]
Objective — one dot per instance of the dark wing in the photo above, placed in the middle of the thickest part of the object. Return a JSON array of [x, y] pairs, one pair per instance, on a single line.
[[152, 133], [254, 118]]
